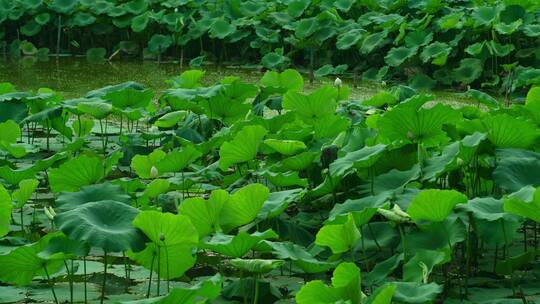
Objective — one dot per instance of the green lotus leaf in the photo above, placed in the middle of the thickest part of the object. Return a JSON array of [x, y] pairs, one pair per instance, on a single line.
[[277, 202], [515, 169], [5, 211], [511, 264], [482, 97], [507, 131], [98, 109], [532, 104], [96, 55], [103, 224], [285, 147], [81, 19], [468, 71], [527, 207], [434, 205], [339, 237], [238, 245], [170, 262], [221, 29], [12, 110], [136, 6], [383, 269], [314, 106], [508, 28], [170, 119], [383, 294], [22, 264], [420, 266], [175, 161], [256, 265], [242, 148], [346, 40], [362, 158], [372, 42], [451, 21], [92, 193], [296, 8], [159, 43], [28, 49], [485, 15], [437, 52], [397, 56], [486, 208], [418, 38], [76, 173], [285, 179], [63, 248], [83, 127], [25, 191], [139, 23], [531, 30], [498, 49], [300, 257], [205, 214], [345, 287], [167, 229], [286, 80], [31, 28], [409, 121], [189, 79], [414, 292], [306, 27], [129, 98], [243, 206], [298, 162], [10, 132], [273, 60], [31, 4], [344, 5], [204, 290], [64, 6]]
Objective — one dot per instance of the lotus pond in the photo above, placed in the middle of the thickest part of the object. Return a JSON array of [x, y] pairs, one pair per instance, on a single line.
[[264, 189]]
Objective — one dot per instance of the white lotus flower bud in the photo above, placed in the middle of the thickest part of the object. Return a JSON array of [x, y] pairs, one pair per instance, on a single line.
[[154, 172], [460, 161], [383, 83], [425, 272], [48, 213], [338, 83], [176, 9], [51, 210], [410, 135], [397, 210]]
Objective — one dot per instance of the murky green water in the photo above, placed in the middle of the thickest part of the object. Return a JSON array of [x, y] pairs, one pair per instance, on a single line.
[[73, 77]]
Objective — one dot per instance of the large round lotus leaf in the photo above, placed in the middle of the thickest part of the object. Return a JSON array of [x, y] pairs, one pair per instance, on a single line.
[[62, 248], [286, 80], [170, 119], [243, 206], [286, 147], [64, 6], [42, 18], [205, 214], [296, 8], [506, 131], [31, 28], [516, 169], [238, 245], [82, 19], [221, 29], [468, 71], [242, 148], [139, 23], [98, 109], [272, 60], [339, 237], [130, 98], [372, 42], [348, 39], [167, 229], [434, 205], [418, 38], [362, 158], [256, 265], [28, 49], [306, 27], [75, 173], [20, 265], [310, 108], [396, 56], [485, 15], [437, 52], [30, 4], [25, 191], [159, 43], [91, 193], [413, 292], [104, 224], [5, 211], [136, 6]]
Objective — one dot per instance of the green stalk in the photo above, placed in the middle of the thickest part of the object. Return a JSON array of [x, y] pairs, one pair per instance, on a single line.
[[403, 241], [104, 277], [150, 278], [51, 283], [85, 288], [158, 269], [256, 292]]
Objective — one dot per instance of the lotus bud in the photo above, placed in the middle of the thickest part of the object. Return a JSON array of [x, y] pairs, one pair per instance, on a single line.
[[176, 9], [383, 83], [460, 161], [390, 215], [48, 213], [162, 237], [410, 135], [371, 111], [425, 272], [338, 83], [154, 172]]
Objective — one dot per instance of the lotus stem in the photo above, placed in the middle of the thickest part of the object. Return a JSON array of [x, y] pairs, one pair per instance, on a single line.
[[104, 277], [167, 265], [70, 277], [58, 35], [256, 292], [374, 237], [403, 241], [51, 283], [158, 269], [22, 219], [85, 278], [151, 271]]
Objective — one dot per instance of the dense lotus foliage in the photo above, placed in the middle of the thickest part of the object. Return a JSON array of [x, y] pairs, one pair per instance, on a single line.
[[236, 192], [424, 42]]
